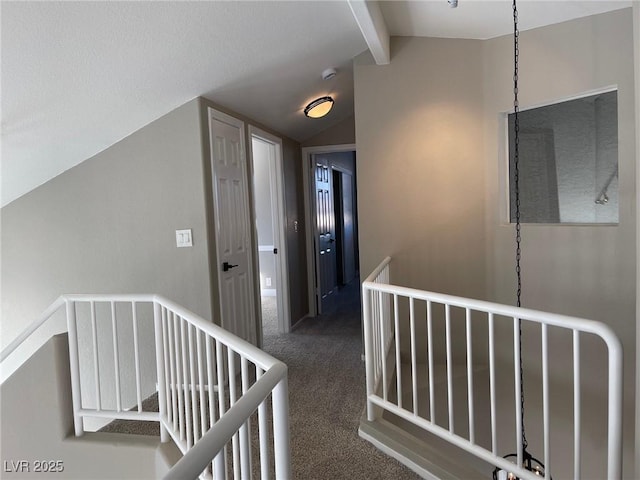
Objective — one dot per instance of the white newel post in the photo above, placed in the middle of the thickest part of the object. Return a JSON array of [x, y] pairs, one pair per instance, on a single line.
[[74, 367], [281, 429], [368, 349]]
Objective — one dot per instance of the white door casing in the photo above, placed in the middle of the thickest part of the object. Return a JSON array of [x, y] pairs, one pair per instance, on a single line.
[[232, 225]]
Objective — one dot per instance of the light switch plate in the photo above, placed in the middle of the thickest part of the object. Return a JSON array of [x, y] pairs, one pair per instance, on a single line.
[[183, 238]]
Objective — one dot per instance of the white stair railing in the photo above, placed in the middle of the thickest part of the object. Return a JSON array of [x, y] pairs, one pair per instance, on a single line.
[[401, 322], [213, 387]]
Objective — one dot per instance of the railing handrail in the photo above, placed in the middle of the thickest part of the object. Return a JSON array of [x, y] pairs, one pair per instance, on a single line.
[[239, 345], [35, 325], [199, 456], [538, 316], [372, 276]]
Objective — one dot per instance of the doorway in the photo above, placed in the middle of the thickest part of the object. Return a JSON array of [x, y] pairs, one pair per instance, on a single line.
[[331, 206], [268, 198]]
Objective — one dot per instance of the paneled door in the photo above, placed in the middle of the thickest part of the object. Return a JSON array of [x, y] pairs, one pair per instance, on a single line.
[[327, 280], [232, 222]]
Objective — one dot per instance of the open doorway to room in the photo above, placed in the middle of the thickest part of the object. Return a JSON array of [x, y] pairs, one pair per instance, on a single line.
[[331, 206], [268, 197]]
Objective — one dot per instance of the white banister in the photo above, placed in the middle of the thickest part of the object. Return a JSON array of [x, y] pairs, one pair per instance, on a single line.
[[196, 365], [456, 315]]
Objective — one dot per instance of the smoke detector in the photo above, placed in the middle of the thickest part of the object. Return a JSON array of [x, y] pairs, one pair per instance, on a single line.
[[329, 73]]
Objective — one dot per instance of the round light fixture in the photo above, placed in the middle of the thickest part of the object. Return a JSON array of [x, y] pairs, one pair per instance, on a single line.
[[319, 107]]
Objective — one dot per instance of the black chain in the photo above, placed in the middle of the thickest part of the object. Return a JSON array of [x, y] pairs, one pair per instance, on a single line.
[[516, 179]]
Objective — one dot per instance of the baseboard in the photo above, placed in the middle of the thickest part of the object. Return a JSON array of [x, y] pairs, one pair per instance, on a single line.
[[417, 455], [299, 322]]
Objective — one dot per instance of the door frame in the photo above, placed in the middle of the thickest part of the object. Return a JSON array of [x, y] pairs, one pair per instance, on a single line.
[[310, 214], [277, 187]]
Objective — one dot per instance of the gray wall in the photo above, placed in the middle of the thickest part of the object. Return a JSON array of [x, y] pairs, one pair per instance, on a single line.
[[43, 430], [108, 226], [341, 134], [420, 169], [432, 170]]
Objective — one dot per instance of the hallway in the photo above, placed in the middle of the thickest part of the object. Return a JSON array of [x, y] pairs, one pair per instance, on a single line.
[[327, 396]]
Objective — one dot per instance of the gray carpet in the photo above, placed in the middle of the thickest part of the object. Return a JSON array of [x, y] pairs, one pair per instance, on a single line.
[[326, 396]]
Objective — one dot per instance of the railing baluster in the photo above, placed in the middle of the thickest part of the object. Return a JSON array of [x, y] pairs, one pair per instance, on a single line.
[[245, 432], [201, 384], [396, 322], [492, 385], [576, 407], [167, 366], [545, 399], [263, 433], [173, 355], [220, 360], [376, 334], [383, 356], [414, 366], [449, 366], [432, 403], [160, 366], [192, 379], [136, 354], [116, 357], [96, 363], [516, 372], [218, 461], [472, 435], [179, 385], [232, 400], [185, 377]]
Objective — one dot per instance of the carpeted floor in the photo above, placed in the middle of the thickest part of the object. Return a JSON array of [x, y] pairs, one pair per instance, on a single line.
[[326, 395]]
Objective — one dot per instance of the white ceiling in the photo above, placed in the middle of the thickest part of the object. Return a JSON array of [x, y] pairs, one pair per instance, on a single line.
[[79, 76]]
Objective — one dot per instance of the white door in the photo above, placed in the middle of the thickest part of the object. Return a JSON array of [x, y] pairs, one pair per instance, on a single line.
[[325, 234], [231, 210]]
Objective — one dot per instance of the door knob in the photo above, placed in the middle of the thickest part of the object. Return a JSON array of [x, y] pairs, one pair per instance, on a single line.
[[226, 266]]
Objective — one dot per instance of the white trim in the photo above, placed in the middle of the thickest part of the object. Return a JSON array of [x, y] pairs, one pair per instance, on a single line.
[[310, 213], [266, 248], [269, 292], [504, 207], [369, 18], [282, 267]]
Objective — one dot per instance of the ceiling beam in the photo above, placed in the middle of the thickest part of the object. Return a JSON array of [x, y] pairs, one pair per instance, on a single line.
[[373, 27]]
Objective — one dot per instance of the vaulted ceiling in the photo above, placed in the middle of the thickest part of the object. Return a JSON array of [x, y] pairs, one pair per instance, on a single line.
[[76, 77]]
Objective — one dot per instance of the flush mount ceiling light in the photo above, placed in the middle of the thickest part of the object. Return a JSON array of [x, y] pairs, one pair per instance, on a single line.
[[319, 107]]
